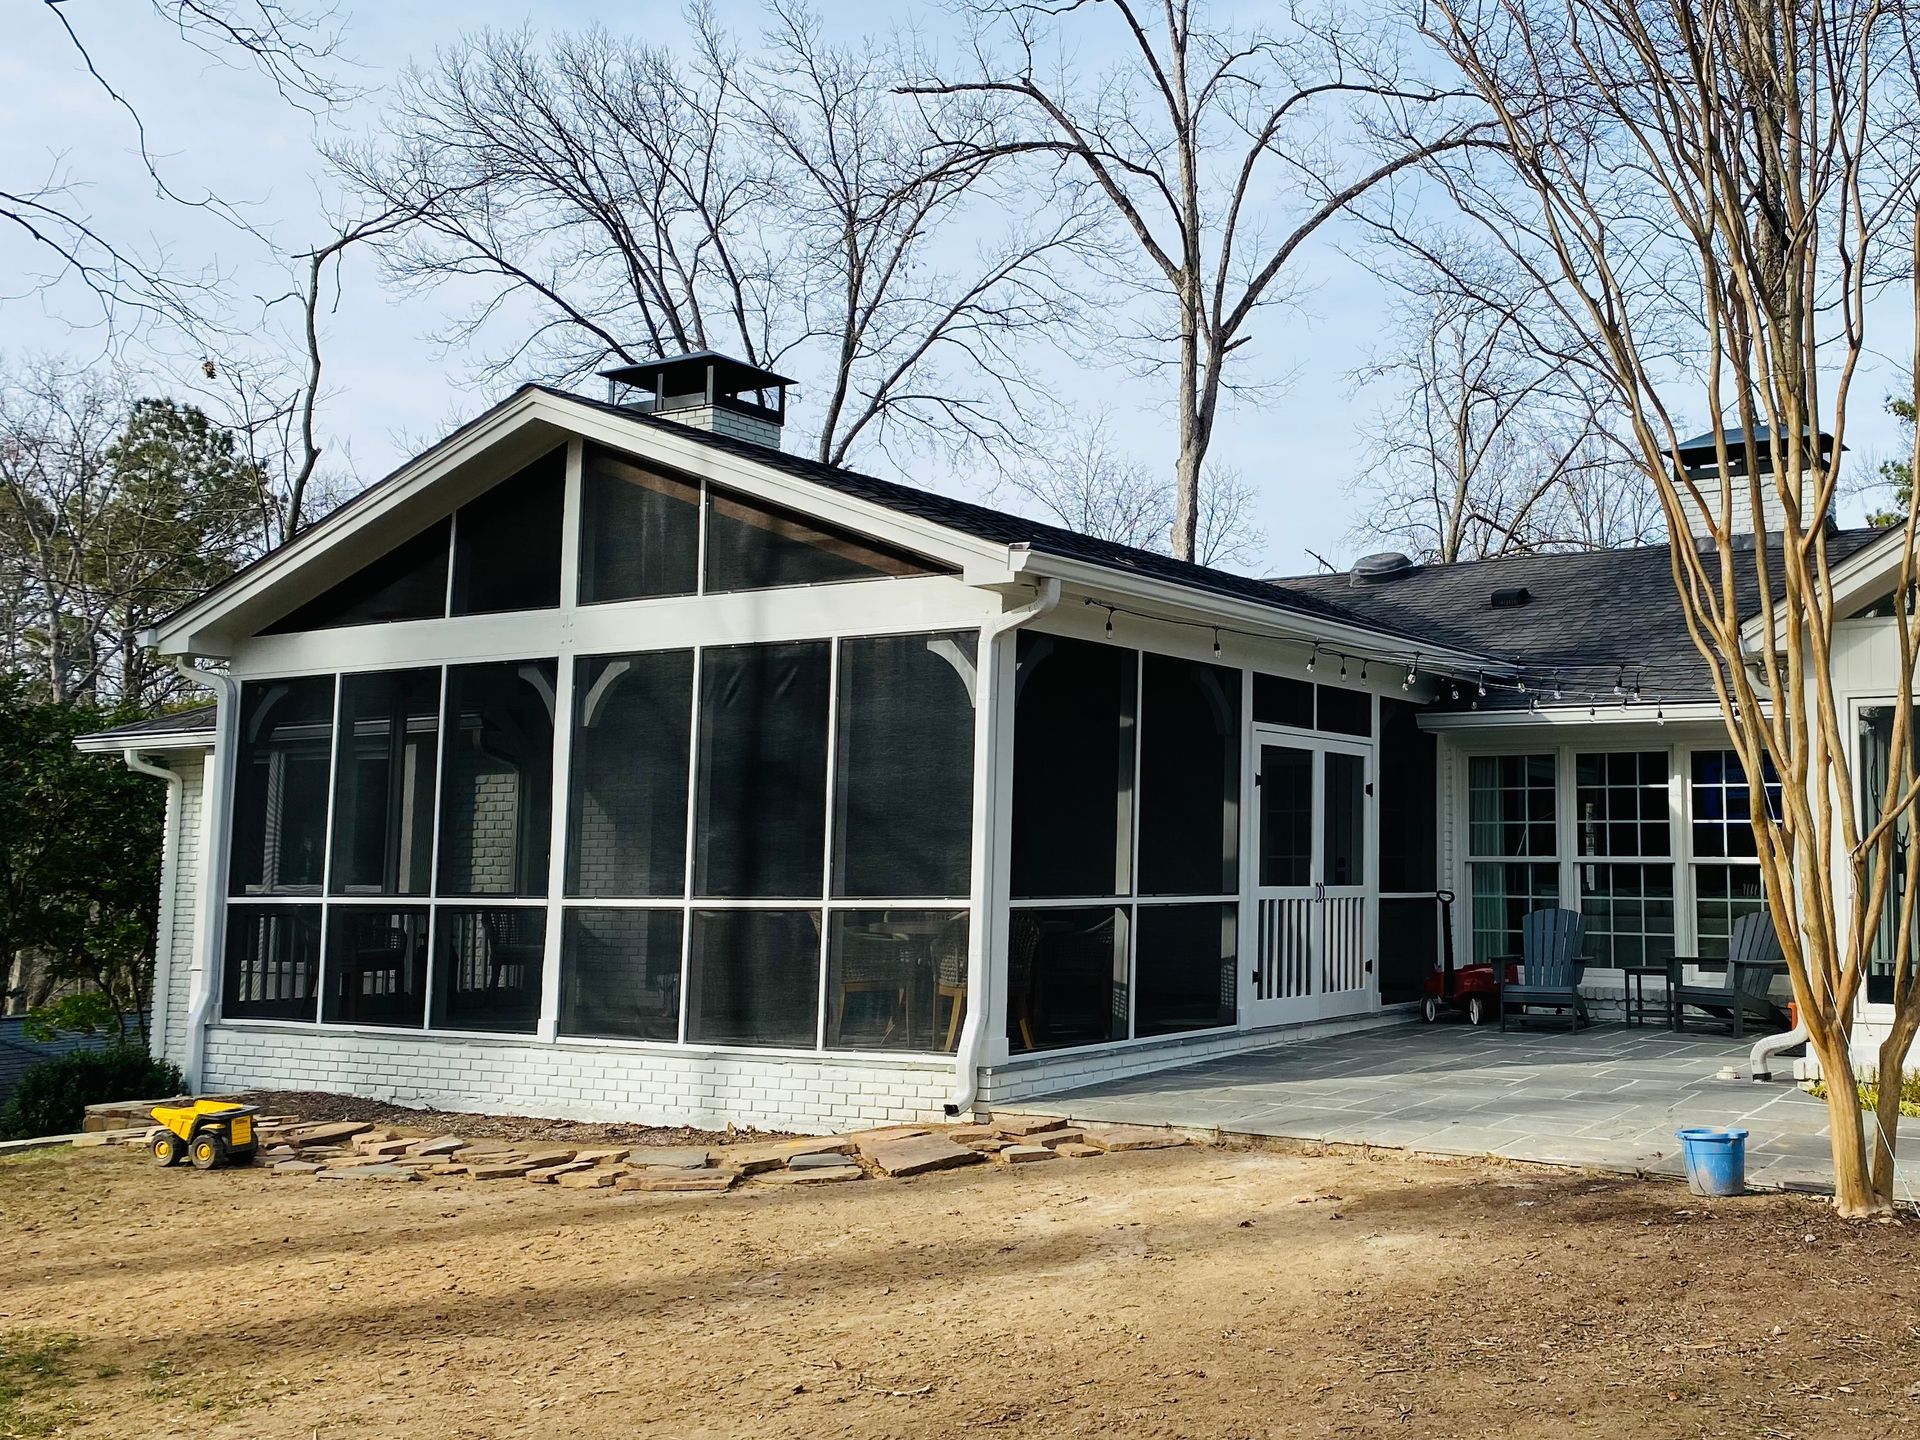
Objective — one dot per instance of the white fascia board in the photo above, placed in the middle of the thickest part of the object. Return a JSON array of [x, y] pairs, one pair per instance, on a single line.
[[1204, 608], [1854, 580], [160, 740], [197, 629], [1574, 715]]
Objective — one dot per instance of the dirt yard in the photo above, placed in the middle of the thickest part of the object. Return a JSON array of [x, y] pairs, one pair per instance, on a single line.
[[1187, 1292]]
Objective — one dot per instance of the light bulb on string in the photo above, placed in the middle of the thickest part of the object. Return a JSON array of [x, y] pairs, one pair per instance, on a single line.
[[1483, 685], [1109, 620], [1216, 644], [1343, 667], [1413, 667], [1363, 670], [1312, 656]]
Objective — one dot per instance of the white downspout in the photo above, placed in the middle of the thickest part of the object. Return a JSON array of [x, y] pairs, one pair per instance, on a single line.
[[1772, 1045], [213, 889], [973, 1030], [169, 888]]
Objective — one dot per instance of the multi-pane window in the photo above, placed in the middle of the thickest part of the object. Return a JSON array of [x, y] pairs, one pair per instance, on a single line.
[[1726, 870], [1623, 851], [1116, 934], [1512, 846]]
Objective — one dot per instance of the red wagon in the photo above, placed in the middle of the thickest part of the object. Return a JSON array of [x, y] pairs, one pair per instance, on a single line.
[[1470, 990]]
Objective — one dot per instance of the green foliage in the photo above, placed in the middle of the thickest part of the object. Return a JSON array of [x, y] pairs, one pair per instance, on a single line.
[[1898, 473], [53, 1096], [79, 855], [85, 1012], [32, 1363], [1869, 1089]]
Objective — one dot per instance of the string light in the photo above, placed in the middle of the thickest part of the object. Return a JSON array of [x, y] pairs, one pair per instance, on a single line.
[[1315, 655], [1363, 670], [1109, 620], [1413, 667], [1343, 667], [1216, 644]]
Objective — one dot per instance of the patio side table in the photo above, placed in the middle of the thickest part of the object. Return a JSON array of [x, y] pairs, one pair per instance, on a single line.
[[1635, 995]]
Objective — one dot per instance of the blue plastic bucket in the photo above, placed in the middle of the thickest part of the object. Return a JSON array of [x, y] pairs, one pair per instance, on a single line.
[[1716, 1159]]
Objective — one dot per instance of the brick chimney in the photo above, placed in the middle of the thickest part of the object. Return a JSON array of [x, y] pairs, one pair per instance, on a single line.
[[1699, 463], [707, 391]]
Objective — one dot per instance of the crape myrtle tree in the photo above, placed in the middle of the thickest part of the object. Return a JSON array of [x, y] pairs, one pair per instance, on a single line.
[[1741, 171]]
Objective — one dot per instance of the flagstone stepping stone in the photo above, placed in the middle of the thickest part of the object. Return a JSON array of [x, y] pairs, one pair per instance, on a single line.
[[1024, 1155], [919, 1154], [1018, 1127], [676, 1181], [671, 1159], [325, 1134], [547, 1155], [547, 1174], [821, 1162], [296, 1167], [866, 1142], [1053, 1139], [967, 1134], [368, 1172], [830, 1175], [1133, 1137], [602, 1157], [585, 1177], [765, 1155], [1075, 1150], [502, 1171], [442, 1145]]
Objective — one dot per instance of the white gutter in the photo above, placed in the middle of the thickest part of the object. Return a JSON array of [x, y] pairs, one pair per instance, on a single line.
[[986, 899], [1250, 616], [169, 866], [1648, 710], [213, 831]]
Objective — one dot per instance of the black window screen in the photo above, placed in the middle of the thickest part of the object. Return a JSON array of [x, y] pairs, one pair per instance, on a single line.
[[506, 543], [280, 786], [762, 771], [620, 974], [1286, 815], [383, 783], [1189, 778], [755, 546], [1186, 964], [409, 582], [376, 965], [896, 980], [1280, 701], [903, 778], [1344, 712], [496, 798], [1408, 797], [754, 978], [273, 962], [1072, 767], [487, 966], [627, 820], [639, 530], [1066, 977]]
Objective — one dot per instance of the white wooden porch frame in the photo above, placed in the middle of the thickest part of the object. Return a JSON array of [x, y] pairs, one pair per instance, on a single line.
[[993, 579]]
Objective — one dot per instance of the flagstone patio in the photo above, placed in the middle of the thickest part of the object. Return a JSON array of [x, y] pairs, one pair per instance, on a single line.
[[1609, 1097]]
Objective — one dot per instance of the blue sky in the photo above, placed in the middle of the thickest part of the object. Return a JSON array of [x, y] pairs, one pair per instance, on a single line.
[[389, 388]]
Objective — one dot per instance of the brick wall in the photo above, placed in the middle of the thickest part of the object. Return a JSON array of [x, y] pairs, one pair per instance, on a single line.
[[580, 1081]]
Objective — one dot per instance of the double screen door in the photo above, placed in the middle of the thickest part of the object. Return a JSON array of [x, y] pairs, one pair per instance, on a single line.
[[1313, 957]]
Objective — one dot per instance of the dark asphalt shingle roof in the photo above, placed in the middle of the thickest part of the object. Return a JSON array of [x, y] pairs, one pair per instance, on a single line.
[[194, 721], [1593, 616]]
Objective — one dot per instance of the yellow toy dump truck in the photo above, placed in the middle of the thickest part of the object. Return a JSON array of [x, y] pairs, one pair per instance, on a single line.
[[208, 1132]]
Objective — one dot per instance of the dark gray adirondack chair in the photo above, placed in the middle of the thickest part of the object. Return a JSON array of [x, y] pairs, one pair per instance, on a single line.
[[1550, 966], [1754, 958]]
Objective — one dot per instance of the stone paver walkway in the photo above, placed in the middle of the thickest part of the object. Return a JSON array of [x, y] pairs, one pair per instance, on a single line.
[[1609, 1097]]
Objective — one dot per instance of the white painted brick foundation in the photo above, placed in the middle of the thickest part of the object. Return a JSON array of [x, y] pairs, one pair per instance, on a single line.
[[580, 1081]]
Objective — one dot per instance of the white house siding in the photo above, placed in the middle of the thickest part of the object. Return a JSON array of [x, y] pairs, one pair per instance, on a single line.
[[185, 860], [577, 1081]]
